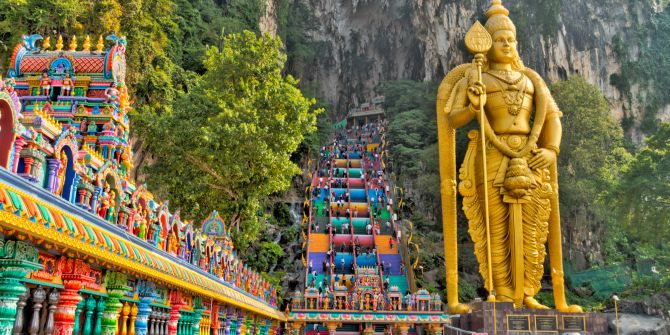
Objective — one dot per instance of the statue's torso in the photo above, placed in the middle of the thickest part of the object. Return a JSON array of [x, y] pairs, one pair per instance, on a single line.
[[509, 101]]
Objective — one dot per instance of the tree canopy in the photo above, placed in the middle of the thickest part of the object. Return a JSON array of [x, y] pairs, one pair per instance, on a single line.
[[228, 142]]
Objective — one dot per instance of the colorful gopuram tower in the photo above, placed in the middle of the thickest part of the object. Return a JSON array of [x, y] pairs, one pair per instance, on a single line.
[[356, 278], [85, 251]]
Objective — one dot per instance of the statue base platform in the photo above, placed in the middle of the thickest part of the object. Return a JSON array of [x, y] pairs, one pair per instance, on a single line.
[[508, 320]]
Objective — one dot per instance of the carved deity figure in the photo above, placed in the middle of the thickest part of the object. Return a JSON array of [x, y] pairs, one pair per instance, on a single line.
[[112, 94], [109, 215], [521, 177], [104, 202], [173, 243], [62, 168], [66, 89], [45, 84], [142, 233]]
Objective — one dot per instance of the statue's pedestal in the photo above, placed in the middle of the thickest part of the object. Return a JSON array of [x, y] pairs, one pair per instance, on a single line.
[[508, 320]]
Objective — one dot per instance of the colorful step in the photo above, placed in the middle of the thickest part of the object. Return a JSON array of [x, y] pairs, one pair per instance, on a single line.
[[318, 243]]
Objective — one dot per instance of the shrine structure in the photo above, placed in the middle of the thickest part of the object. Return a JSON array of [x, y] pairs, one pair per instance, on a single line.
[[85, 251], [356, 279]]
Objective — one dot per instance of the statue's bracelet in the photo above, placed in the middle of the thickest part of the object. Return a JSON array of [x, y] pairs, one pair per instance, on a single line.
[[554, 149], [473, 110]]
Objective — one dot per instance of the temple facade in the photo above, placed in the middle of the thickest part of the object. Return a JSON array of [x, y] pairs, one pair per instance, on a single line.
[[85, 251]]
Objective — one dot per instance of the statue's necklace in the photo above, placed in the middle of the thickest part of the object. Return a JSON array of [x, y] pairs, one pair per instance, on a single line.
[[514, 99]]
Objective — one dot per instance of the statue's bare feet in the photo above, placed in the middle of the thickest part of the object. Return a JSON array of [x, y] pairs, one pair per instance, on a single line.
[[570, 308], [530, 302], [459, 309]]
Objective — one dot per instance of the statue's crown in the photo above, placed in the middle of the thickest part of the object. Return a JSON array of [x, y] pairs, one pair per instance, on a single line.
[[498, 18]]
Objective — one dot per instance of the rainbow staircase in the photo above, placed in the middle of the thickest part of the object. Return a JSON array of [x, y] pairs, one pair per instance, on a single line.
[[355, 279]]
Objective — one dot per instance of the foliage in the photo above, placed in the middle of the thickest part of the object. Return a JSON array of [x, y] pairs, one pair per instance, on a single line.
[[640, 201], [412, 130], [231, 137], [294, 21], [591, 152], [276, 278]]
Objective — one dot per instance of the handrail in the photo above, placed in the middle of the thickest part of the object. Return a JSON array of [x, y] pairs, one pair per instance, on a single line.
[[331, 258], [458, 330], [309, 224]]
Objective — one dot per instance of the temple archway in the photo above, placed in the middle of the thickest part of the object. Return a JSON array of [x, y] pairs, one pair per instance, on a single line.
[[66, 146]]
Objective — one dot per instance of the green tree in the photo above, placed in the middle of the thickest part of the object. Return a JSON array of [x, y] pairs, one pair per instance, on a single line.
[[641, 200], [228, 142], [591, 147]]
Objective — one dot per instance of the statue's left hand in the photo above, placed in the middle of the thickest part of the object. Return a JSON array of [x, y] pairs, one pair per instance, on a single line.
[[542, 159]]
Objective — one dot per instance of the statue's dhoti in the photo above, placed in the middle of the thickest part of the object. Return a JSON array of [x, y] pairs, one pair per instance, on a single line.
[[517, 217]]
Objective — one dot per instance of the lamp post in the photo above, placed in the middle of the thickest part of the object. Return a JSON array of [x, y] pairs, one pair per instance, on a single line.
[[495, 321], [616, 312]]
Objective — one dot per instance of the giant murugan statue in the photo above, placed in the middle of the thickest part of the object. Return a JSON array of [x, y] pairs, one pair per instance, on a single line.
[[508, 179]]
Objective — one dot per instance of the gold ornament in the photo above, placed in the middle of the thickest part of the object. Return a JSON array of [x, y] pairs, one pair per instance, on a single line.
[[508, 179], [59, 43], [46, 44], [87, 43], [73, 43], [101, 44]]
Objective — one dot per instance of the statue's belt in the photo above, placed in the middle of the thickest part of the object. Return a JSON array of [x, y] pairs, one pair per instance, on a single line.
[[515, 143]]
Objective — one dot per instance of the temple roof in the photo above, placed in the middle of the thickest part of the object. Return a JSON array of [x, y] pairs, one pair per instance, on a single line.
[[107, 62]]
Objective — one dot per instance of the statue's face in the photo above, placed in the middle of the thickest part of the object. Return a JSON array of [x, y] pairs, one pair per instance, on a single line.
[[504, 47]]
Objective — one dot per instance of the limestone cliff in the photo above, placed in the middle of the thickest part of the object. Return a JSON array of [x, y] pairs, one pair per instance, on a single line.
[[359, 43]]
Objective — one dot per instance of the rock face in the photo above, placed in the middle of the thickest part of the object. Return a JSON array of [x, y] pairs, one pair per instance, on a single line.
[[360, 43]]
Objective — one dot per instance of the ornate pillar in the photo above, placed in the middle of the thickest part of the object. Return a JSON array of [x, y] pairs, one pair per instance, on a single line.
[[75, 276], [229, 319], [143, 312], [248, 327], [21, 304], [133, 316], [116, 286], [53, 165], [195, 322], [268, 326], [97, 190], [123, 318], [38, 296], [88, 315], [73, 190], [240, 324], [18, 146], [214, 319], [99, 311], [256, 327], [176, 302], [28, 166], [151, 324], [164, 323], [54, 297], [77, 312], [81, 198], [17, 259]]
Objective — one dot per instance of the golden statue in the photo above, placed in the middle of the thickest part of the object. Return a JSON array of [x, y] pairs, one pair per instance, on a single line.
[[515, 212]]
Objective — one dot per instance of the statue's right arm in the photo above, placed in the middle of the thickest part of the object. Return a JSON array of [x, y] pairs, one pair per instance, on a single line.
[[461, 114]]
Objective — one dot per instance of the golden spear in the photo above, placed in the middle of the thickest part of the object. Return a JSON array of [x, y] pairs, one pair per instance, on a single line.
[[479, 41]]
